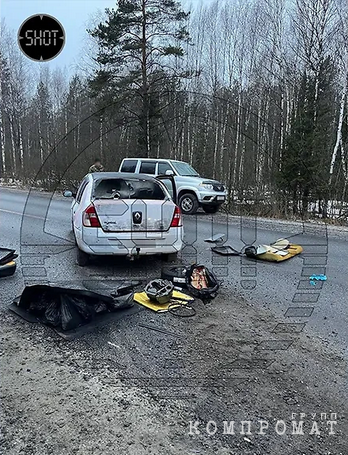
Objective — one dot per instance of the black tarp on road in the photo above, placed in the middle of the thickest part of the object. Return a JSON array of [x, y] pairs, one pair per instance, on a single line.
[[67, 309]]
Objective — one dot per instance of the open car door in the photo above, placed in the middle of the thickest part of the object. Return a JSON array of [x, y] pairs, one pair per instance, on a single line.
[[169, 182]]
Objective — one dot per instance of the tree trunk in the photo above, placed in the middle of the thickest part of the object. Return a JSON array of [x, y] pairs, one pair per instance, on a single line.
[[235, 157], [145, 89], [2, 143], [339, 132]]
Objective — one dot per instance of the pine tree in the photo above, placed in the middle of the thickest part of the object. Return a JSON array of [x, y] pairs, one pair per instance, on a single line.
[[305, 162], [136, 45]]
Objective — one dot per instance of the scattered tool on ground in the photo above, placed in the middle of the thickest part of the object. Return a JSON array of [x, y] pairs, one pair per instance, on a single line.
[[217, 238], [220, 247], [226, 250], [7, 262], [182, 311], [125, 288]]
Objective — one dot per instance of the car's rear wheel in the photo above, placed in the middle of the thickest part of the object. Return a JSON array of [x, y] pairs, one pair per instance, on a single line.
[[82, 258], [188, 204], [210, 208], [74, 236]]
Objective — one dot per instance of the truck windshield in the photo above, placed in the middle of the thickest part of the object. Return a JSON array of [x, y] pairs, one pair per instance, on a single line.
[[184, 169]]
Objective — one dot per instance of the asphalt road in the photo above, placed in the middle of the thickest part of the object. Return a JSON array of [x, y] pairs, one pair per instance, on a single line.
[[47, 254], [136, 383]]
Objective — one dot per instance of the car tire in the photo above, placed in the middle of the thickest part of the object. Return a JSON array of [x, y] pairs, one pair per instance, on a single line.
[[175, 274], [170, 257], [210, 208], [188, 204], [74, 236], [82, 258]]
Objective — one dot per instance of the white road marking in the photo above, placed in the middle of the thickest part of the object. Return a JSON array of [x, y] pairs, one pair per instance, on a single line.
[[20, 213]]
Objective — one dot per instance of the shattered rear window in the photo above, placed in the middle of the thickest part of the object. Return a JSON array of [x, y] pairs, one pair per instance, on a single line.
[[128, 189]]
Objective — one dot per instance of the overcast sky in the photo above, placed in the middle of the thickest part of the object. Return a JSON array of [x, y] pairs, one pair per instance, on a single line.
[[74, 15]]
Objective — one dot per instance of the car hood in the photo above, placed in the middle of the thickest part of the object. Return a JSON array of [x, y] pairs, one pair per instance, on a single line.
[[199, 180]]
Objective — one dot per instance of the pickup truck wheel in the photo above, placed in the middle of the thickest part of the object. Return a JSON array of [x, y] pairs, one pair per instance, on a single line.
[[188, 204], [211, 208], [82, 258]]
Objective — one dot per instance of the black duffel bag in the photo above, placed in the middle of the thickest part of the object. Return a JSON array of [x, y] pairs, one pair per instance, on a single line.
[[205, 294]]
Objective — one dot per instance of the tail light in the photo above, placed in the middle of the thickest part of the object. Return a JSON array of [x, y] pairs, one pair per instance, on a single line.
[[176, 221], [90, 217]]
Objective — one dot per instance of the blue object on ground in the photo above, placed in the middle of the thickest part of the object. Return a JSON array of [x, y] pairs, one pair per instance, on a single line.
[[320, 277]]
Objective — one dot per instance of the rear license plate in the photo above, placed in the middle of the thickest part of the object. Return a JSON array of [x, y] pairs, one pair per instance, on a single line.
[[221, 198]]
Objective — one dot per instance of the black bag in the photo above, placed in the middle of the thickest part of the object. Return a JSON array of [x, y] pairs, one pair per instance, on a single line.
[[251, 251], [84, 307], [68, 307], [53, 314], [207, 293], [70, 317]]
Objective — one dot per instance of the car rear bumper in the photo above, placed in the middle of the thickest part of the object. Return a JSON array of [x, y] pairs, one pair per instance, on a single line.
[[96, 242]]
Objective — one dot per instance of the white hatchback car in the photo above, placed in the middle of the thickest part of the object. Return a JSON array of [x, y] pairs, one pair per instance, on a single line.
[[126, 214]]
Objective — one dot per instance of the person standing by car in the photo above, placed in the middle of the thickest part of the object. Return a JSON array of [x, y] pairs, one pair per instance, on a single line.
[[96, 167]]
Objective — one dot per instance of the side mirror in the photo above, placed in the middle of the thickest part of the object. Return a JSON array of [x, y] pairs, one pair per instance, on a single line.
[[67, 193], [169, 172]]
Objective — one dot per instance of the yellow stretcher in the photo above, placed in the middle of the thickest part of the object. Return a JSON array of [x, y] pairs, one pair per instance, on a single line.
[[276, 256], [279, 251], [142, 299]]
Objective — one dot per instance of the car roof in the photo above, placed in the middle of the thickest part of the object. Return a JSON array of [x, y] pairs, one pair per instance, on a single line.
[[148, 159], [153, 159], [116, 175]]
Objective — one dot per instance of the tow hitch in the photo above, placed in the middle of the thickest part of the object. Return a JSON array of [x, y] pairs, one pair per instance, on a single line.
[[131, 257]]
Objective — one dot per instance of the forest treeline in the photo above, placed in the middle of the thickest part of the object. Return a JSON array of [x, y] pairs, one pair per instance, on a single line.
[[252, 93]]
